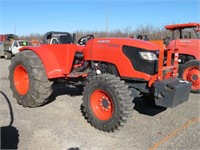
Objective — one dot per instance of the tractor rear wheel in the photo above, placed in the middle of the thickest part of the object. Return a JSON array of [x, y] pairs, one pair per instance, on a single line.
[[190, 71], [28, 79], [107, 102]]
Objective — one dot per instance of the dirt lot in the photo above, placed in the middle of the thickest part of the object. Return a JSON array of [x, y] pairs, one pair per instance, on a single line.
[[60, 124]]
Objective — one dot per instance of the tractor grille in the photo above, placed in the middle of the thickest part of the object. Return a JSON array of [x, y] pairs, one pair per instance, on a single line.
[[139, 64]]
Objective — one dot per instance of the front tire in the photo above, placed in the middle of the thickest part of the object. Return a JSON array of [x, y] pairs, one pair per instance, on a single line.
[[190, 71], [107, 102], [28, 80]]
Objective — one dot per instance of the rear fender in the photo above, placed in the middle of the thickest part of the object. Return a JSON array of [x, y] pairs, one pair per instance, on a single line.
[[57, 59]]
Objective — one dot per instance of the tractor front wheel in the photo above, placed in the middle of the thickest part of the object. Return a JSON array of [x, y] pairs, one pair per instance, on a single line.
[[190, 71], [28, 80], [107, 102]]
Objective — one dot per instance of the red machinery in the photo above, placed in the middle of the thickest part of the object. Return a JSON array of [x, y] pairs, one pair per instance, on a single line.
[[186, 38], [2, 38], [112, 70], [7, 37], [5, 43]]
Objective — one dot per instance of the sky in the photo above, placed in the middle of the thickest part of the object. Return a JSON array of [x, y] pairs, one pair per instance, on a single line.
[[24, 17]]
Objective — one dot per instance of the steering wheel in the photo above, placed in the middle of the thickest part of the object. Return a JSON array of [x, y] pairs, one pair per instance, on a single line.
[[166, 40], [83, 40]]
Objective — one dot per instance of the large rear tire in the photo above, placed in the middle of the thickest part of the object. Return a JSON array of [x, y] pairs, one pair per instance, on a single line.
[[28, 80], [107, 102], [190, 71]]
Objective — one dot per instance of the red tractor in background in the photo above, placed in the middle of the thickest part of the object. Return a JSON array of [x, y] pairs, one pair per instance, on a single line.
[[186, 38], [112, 70]]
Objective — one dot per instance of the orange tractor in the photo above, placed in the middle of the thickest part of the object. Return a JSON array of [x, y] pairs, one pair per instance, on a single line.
[[112, 70], [186, 38]]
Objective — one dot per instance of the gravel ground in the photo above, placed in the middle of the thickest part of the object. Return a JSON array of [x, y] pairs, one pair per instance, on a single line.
[[60, 124]]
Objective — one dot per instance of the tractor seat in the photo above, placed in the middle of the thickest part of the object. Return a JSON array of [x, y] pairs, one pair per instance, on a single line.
[[64, 39]]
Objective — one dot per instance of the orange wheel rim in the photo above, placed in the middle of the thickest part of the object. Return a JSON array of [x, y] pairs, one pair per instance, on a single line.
[[21, 80], [192, 74], [102, 105]]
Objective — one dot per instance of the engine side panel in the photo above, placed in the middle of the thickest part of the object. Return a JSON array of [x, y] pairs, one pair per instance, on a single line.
[[110, 50]]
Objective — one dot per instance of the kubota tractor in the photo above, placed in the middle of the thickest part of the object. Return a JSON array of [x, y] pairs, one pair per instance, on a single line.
[[112, 70], [186, 37]]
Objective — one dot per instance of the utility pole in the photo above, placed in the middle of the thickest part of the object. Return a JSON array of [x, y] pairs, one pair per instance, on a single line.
[[15, 29], [107, 22]]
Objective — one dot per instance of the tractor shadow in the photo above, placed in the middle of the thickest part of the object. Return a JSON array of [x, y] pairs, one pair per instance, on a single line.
[[72, 148], [9, 134], [146, 106], [142, 104], [62, 89]]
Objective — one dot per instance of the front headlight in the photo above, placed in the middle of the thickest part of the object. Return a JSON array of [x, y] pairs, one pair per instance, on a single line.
[[148, 56]]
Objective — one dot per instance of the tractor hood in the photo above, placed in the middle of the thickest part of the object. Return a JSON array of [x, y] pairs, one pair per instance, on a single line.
[[119, 42], [128, 55]]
